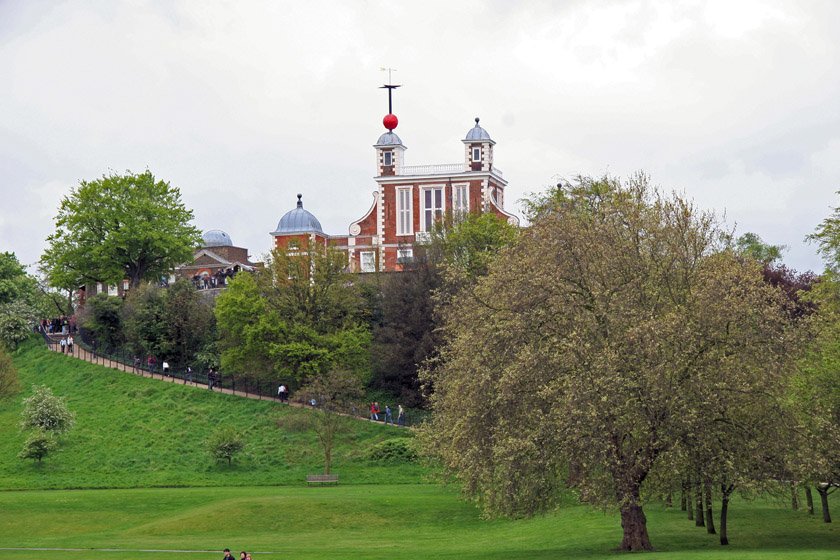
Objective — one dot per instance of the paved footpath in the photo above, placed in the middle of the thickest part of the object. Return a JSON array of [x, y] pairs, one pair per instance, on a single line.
[[82, 354]]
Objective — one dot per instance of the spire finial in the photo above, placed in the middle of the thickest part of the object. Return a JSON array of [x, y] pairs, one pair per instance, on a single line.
[[300, 203], [476, 121]]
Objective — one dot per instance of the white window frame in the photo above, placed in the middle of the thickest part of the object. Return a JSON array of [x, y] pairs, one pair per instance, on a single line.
[[405, 216], [404, 254], [476, 153], [126, 285], [99, 287], [387, 158], [367, 267], [112, 290], [461, 199], [424, 209]]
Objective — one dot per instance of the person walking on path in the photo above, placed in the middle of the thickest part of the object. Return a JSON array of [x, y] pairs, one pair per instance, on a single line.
[[165, 368], [211, 377], [151, 363], [70, 345], [136, 364], [373, 411], [63, 345], [283, 393], [400, 415], [388, 417], [188, 375]]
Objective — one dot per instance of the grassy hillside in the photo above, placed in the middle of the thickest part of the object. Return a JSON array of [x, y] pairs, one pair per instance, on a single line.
[[373, 521], [138, 432]]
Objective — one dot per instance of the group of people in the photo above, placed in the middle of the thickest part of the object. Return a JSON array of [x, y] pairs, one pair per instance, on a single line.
[[375, 410], [215, 280], [63, 325], [242, 555]]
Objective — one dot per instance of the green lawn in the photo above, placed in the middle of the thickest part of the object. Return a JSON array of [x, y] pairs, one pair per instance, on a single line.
[[371, 521], [142, 440], [133, 431]]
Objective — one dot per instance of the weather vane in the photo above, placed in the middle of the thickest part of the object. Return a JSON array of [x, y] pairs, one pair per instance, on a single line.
[[390, 87]]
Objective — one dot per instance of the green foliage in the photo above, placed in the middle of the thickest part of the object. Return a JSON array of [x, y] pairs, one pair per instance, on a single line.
[[595, 347], [225, 443], [103, 318], [816, 391], [44, 411], [38, 445], [395, 450], [300, 316], [337, 394], [751, 245], [142, 315], [16, 320], [175, 323], [116, 227], [15, 283], [471, 243], [407, 336]]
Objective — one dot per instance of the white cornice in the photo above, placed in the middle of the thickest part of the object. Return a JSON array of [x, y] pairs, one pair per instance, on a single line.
[[413, 179]]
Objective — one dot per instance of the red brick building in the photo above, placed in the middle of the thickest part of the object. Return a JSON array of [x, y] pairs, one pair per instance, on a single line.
[[407, 202]]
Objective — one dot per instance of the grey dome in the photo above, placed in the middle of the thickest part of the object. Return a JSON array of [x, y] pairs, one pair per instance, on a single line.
[[477, 134], [216, 238], [298, 221], [389, 139]]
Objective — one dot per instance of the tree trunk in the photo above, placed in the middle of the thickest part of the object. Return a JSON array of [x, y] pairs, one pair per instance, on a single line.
[[823, 492], [794, 499], [229, 460], [689, 501], [698, 503], [810, 498], [668, 499], [724, 507], [634, 524], [710, 520], [682, 495], [327, 459]]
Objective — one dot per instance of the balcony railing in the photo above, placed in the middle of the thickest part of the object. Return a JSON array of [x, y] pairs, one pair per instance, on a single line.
[[438, 169], [442, 169]]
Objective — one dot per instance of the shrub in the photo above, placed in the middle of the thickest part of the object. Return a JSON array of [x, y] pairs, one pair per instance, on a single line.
[[225, 443], [44, 411], [394, 450], [38, 445]]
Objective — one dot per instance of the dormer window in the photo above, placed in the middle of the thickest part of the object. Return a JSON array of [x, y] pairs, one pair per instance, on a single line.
[[388, 158], [476, 154]]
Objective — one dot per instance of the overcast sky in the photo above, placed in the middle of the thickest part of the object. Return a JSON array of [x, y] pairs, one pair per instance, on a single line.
[[243, 104]]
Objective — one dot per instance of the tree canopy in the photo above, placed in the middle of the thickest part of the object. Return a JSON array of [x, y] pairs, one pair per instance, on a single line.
[[592, 347], [301, 315], [119, 227]]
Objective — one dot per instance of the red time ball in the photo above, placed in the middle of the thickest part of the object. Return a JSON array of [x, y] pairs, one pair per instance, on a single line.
[[390, 121]]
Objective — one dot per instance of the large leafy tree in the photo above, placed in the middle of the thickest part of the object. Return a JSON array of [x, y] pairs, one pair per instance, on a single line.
[[301, 315], [15, 283], [593, 346], [459, 250], [116, 227], [18, 295]]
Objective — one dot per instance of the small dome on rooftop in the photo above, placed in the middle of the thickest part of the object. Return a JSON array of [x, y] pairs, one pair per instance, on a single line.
[[389, 139], [477, 133], [216, 238], [298, 221]]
